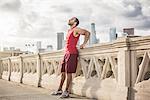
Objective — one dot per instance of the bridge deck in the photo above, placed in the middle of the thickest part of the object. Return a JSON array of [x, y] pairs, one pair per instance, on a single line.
[[16, 91]]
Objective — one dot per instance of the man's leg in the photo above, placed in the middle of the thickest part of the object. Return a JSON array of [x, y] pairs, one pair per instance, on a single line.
[[70, 68], [59, 91], [63, 77], [65, 94], [69, 81]]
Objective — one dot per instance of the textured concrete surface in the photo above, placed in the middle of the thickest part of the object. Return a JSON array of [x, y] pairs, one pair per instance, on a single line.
[[16, 91]]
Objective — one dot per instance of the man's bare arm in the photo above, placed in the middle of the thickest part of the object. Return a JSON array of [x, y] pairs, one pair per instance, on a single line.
[[86, 36]]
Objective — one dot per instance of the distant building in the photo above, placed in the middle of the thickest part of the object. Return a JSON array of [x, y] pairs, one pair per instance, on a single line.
[[129, 31], [112, 34], [12, 48], [42, 50], [63, 44], [49, 48], [60, 40], [98, 40], [104, 37], [12, 51], [93, 39], [38, 45], [5, 49]]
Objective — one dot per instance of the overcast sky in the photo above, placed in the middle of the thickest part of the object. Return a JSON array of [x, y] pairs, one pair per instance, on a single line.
[[27, 21]]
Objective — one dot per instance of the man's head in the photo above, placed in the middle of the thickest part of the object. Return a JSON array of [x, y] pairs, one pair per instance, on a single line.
[[73, 21]]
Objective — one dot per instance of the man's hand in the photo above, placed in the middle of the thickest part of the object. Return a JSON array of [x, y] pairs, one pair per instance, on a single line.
[[82, 46]]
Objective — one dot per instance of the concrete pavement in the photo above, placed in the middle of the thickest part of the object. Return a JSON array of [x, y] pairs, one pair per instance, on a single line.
[[16, 91]]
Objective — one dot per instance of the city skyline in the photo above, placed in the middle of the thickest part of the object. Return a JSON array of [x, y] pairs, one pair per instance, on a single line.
[[40, 20]]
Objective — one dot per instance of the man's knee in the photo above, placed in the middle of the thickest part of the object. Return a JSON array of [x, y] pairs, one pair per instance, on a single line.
[[69, 74], [63, 74]]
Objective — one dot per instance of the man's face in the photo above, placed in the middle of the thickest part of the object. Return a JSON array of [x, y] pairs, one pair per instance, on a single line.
[[71, 21]]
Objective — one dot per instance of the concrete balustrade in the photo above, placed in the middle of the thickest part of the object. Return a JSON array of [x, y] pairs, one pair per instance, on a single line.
[[31, 70], [51, 69], [119, 70], [15, 69], [5, 69]]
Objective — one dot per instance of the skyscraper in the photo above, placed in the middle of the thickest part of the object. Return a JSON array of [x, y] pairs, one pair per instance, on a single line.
[[93, 38], [38, 45], [112, 34], [60, 40]]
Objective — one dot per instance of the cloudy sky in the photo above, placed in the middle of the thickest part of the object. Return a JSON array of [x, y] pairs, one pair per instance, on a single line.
[[27, 21]]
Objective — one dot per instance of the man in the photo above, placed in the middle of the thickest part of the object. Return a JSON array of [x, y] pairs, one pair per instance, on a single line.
[[69, 63]]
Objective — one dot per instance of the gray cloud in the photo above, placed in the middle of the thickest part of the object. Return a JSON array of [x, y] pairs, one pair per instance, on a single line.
[[135, 14], [137, 11], [41, 28], [61, 9], [144, 23], [134, 9], [10, 5]]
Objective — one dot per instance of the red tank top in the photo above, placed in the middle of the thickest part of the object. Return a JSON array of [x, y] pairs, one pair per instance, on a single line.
[[71, 42]]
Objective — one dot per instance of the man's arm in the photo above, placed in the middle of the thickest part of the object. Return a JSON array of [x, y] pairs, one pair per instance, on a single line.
[[86, 36]]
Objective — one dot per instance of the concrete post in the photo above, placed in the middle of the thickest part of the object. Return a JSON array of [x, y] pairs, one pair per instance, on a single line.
[[124, 72], [134, 69], [9, 69], [21, 69], [1, 70], [39, 69], [124, 68]]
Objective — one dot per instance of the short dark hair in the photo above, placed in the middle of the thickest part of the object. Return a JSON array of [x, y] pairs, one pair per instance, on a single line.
[[77, 20]]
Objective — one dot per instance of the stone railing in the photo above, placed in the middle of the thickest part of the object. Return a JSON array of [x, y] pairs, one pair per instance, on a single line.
[[113, 71], [5, 54]]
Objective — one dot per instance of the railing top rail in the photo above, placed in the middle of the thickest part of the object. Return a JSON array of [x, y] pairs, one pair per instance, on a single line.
[[111, 47]]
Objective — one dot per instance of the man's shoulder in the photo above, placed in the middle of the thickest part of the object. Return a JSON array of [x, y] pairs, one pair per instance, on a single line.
[[78, 29]]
